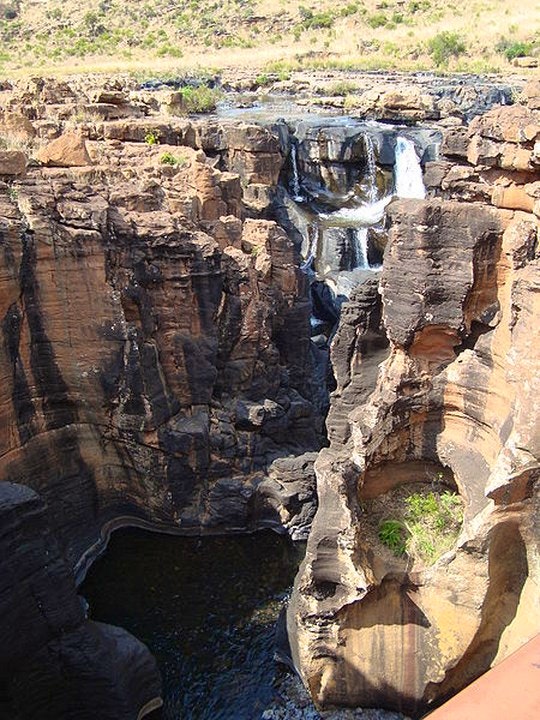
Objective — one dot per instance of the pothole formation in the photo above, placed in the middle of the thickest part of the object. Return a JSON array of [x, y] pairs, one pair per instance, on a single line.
[[454, 394], [161, 368]]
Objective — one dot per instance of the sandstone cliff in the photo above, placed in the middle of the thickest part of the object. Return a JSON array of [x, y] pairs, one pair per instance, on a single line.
[[156, 369], [155, 365], [155, 356], [453, 402]]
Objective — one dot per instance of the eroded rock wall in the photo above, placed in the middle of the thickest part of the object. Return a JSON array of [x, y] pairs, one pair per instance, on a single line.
[[453, 401], [53, 662], [155, 339]]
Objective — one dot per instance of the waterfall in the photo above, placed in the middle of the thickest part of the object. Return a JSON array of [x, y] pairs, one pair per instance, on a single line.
[[296, 190], [312, 232], [359, 215], [371, 168], [360, 247], [408, 179]]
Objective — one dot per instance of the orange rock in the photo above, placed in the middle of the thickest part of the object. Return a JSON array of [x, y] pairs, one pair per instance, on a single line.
[[69, 150], [513, 198]]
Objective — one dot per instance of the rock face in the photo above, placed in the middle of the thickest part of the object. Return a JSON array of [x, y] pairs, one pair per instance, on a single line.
[[147, 362], [454, 401], [156, 369], [53, 662]]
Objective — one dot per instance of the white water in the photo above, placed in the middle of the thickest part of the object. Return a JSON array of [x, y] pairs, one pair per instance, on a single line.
[[360, 215], [371, 168], [408, 179], [297, 192], [312, 234], [360, 240]]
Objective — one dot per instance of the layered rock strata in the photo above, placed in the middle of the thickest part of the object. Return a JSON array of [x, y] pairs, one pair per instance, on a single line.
[[155, 356], [156, 370], [453, 404], [155, 362]]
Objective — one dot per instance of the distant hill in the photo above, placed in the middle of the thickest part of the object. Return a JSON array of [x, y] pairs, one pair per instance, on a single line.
[[470, 35]]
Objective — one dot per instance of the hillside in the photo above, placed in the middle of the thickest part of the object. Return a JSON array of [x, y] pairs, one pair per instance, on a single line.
[[477, 35]]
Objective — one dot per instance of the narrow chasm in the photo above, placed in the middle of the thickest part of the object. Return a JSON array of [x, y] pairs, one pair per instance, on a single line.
[[339, 176], [206, 608]]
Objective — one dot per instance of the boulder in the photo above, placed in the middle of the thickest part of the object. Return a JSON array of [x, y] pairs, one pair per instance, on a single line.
[[12, 163], [69, 150], [525, 62]]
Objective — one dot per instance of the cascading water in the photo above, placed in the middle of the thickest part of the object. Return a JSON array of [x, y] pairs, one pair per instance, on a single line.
[[359, 216], [295, 180], [360, 239], [407, 171], [371, 166], [342, 177]]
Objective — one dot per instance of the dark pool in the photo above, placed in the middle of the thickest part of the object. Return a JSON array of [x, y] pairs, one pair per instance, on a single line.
[[205, 607]]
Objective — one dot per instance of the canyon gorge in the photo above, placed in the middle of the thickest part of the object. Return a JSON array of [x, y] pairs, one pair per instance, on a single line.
[[283, 319]]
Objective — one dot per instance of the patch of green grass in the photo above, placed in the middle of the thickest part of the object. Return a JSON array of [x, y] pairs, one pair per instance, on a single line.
[[377, 20], [513, 48], [428, 528], [350, 9], [152, 137], [342, 87], [392, 534]]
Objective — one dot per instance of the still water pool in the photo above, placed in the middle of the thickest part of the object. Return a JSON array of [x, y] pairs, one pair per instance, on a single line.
[[206, 608]]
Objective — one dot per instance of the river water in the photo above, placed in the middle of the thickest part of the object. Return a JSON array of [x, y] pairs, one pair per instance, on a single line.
[[206, 608]]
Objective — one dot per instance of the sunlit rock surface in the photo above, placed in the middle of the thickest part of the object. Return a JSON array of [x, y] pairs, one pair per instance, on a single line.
[[454, 401], [161, 366]]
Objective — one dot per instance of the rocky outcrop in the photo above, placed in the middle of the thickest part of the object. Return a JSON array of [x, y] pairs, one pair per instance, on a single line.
[[53, 662], [157, 369], [453, 401], [147, 363]]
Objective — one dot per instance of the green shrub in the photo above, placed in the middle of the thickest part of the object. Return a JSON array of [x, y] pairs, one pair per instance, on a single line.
[[445, 45], [168, 50], [350, 9], [263, 80], [321, 20], [200, 99], [175, 160], [513, 48], [342, 87], [392, 534], [152, 137], [376, 20], [315, 21], [419, 5]]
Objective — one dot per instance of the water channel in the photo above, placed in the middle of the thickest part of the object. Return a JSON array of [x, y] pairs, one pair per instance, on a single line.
[[206, 608]]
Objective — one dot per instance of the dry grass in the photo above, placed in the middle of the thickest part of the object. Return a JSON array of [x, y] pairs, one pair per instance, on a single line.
[[160, 36]]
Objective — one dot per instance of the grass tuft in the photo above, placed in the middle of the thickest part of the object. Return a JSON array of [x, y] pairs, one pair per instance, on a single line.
[[429, 526]]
